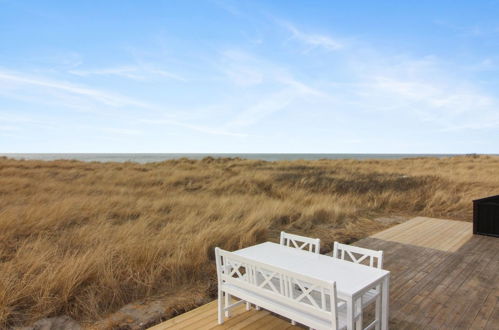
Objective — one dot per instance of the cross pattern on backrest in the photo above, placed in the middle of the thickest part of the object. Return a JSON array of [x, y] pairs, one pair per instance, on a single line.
[[358, 255], [272, 281], [263, 279], [357, 259], [306, 291], [300, 242], [235, 268], [297, 245]]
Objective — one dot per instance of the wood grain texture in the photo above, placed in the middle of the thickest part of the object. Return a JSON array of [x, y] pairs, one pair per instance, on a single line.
[[442, 277], [440, 234]]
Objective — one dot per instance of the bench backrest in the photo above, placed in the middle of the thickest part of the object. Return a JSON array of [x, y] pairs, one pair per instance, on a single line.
[[301, 242], [358, 255], [303, 293]]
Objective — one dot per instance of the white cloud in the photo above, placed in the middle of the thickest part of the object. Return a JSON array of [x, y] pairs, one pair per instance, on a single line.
[[430, 95], [289, 91], [242, 69], [246, 70], [4, 128], [199, 128], [438, 95], [136, 72], [274, 87], [19, 81], [103, 97], [18, 122], [312, 39], [228, 7], [244, 76], [245, 89], [268, 105], [121, 131], [475, 31]]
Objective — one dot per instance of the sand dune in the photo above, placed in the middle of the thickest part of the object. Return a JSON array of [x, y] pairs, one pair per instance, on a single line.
[[83, 239]]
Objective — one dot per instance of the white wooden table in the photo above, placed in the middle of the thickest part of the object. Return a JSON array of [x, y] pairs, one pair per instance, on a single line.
[[352, 280]]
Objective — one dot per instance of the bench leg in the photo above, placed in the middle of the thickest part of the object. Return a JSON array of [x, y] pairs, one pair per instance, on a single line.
[[220, 307], [228, 302], [248, 306], [293, 322]]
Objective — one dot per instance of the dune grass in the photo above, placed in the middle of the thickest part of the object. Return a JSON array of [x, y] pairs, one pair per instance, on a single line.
[[83, 239]]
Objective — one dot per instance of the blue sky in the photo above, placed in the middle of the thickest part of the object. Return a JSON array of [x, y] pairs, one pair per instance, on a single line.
[[249, 76]]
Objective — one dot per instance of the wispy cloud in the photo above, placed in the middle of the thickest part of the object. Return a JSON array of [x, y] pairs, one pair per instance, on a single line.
[[136, 72], [470, 30], [4, 128], [246, 69], [285, 97], [107, 98], [228, 6], [312, 40], [121, 131], [424, 89], [198, 128], [18, 80], [261, 109], [335, 87], [275, 86]]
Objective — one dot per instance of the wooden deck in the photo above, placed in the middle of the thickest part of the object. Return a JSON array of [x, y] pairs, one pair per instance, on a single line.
[[442, 277], [444, 235]]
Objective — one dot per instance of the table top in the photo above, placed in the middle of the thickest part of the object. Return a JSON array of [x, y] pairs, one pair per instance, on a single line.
[[350, 277]]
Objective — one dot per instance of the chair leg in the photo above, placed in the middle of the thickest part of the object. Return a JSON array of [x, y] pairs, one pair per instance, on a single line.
[[220, 307]]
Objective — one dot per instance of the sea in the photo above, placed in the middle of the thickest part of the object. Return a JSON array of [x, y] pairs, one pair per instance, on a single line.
[[158, 157]]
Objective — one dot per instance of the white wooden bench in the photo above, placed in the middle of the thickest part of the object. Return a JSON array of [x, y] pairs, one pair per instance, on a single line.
[[314, 304]]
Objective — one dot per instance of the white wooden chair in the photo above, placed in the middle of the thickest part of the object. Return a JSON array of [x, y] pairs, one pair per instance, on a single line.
[[367, 257], [358, 255], [314, 305], [301, 242]]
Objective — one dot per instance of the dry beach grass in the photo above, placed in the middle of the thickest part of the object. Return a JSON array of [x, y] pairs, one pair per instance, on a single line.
[[84, 239]]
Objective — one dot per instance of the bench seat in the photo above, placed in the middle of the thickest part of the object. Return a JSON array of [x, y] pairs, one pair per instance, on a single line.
[[285, 310]]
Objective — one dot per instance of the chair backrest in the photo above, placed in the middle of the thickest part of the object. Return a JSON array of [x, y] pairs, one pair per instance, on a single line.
[[301, 242], [358, 255], [315, 297]]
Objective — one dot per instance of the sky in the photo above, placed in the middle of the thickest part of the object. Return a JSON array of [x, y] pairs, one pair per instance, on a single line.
[[249, 76]]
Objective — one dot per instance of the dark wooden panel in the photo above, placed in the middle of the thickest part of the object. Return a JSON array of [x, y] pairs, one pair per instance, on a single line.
[[486, 216]]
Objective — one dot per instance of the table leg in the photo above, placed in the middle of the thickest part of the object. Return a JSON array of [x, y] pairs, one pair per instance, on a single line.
[[385, 302], [350, 314], [358, 310], [378, 308]]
